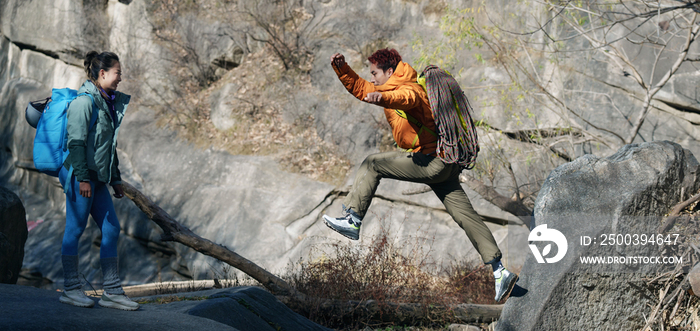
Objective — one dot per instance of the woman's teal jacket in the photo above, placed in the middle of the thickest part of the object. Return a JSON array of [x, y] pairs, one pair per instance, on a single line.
[[93, 153]]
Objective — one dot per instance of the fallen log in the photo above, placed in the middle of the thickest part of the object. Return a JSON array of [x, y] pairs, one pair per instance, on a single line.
[[373, 312], [676, 211], [174, 231], [370, 310]]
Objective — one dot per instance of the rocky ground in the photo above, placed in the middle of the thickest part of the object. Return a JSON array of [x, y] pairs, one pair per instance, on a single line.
[[244, 308], [238, 308]]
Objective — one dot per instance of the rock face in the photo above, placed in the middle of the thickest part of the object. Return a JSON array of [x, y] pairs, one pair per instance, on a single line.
[[249, 202], [13, 235], [625, 193]]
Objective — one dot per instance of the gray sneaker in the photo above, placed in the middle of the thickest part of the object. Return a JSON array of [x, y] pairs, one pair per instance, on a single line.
[[505, 284], [348, 225], [76, 298], [118, 301]]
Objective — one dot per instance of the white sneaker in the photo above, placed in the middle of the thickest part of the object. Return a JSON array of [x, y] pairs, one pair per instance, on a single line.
[[348, 226], [505, 284], [118, 301], [76, 298]]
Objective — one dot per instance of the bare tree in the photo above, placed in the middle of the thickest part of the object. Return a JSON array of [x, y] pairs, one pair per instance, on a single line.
[[666, 29], [291, 28], [561, 60], [174, 27]]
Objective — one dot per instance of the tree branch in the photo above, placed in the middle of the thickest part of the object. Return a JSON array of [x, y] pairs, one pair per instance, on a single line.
[[174, 231], [676, 211], [516, 208], [692, 34]]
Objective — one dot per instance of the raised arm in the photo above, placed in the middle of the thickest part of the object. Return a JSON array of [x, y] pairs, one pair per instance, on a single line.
[[352, 82]]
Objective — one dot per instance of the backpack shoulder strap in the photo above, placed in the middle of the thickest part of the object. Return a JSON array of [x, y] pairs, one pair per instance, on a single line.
[[93, 119], [413, 120], [95, 110], [416, 122]]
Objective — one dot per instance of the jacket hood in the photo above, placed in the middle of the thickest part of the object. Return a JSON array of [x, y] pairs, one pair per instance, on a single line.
[[403, 74], [89, 87]]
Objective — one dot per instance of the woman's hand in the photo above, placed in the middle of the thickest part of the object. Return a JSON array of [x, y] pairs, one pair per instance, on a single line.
[[85, 189], [118, 191]]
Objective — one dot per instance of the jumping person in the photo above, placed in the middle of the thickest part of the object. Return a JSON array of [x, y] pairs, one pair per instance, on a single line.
[[393, 86], [92, 125]]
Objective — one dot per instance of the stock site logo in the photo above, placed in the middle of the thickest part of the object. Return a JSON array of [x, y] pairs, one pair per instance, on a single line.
[[541, 233]]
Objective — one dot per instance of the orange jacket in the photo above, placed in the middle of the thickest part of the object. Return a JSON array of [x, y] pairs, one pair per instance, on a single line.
[[399, 92]]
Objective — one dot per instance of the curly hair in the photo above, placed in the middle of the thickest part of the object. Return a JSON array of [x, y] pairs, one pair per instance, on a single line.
[[385, 59]]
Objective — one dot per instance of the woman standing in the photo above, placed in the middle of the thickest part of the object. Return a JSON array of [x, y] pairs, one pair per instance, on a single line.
[[93, 120]]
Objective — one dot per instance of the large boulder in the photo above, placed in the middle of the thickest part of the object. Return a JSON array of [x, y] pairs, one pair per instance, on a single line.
[[252, 308], [13, 235], [238, 308], [626, 193], [29, 308]]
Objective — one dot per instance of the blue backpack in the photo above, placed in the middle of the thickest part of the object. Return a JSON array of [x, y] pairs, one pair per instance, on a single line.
[[51, 140]]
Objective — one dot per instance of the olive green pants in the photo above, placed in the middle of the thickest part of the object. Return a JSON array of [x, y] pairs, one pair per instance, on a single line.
[[442, 178]]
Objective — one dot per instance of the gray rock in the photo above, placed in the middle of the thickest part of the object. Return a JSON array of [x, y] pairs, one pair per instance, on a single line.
[[625, 193], [139, 261], [13, 235], [221, 110], [246, 203], [251, 308], [694, 279], [66, 30], [29, 308]]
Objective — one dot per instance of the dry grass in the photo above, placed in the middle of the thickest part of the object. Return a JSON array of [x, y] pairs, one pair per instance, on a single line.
[[676, 307], [259, 127], [264, 88], [387, 271]]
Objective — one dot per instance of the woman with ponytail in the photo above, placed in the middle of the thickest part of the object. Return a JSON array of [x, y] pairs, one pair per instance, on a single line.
[[93, 121]]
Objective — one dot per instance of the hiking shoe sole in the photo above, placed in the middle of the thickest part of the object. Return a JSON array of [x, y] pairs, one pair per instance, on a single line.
[[116, 305], [350, 234], [67, 300]]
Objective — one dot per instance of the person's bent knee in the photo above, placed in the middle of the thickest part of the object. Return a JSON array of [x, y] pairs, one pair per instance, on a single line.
[[371, 159]]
